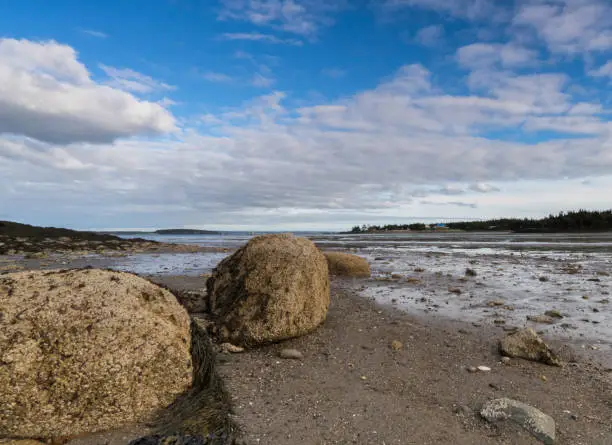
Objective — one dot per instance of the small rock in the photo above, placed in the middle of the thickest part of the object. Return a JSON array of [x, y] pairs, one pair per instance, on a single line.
[[419, 269], [528, 345], [470, 272], [484, 369], [553, 314], [540, 425], [506, 360], [595, 309], [543, 279], [396, 345], [540, 319], [494, 303], [454, 290], [412, 280], [291, 354], [585, 297], [396, 276], [228, 348], [472, 369]]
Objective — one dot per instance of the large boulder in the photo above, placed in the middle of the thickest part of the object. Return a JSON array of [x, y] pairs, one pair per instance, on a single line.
[[273, 288], [87, 350], [528, 345], [347, 265]]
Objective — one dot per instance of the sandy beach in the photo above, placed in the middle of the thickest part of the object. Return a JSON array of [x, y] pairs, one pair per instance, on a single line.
[[352, 387]]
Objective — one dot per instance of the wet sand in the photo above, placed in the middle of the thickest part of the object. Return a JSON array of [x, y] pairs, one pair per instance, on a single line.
[[351, 387]]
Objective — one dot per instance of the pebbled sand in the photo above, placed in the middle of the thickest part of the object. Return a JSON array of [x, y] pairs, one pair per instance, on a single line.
[[353, 388]]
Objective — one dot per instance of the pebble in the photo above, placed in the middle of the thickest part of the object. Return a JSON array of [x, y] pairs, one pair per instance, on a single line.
[[396, 345], [506, 360], [484, 368], [291, 354], [472, 369]]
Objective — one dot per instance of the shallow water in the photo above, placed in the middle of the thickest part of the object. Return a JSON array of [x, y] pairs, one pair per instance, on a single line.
[[508, 269]]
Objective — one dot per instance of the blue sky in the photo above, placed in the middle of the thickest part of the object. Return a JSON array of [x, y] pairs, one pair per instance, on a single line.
[[293, 114]]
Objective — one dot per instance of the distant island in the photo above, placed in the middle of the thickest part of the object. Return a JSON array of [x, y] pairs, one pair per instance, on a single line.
[[185, 232], [575, 221]]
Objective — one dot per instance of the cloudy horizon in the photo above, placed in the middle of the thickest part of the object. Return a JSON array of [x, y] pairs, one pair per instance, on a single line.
[[297, 115]]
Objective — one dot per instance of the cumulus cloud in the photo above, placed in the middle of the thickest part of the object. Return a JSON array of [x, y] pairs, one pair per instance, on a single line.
[[487, 55], [47, 94], [603, 71], [369, 154], [569, 26], [465, 9]]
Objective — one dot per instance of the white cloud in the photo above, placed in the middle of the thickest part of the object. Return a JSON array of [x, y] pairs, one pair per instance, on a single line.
[[259, 37], [212, 76], [603, 71], [94, 33], [47, 94], [430, 35], [482, 187], [569, 26], [487, 55], [302, 17], [130, 80], [465, 9]]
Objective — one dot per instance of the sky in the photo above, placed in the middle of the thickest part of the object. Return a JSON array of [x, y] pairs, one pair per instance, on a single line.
[[302, 114]]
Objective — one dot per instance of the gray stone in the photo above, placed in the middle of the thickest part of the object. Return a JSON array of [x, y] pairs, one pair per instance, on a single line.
[[291, 354], [528, 345], [540, 425]]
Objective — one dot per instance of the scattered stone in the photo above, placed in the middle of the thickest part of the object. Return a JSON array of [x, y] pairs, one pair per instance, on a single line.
[[228, 348], [419, 269], [595, 310], [604, 301], [540, 425], [553, 314], [274, 288], [347, 265], [494, 303], [544, 319], [413, 280], [292, 354], [528, 345], [595, 280], [484, 369], [396, 276], [472, 369], [396, 345], [543, 279], [470, 272], [585, 297], [506, 360], [101, 355], [454, 290]]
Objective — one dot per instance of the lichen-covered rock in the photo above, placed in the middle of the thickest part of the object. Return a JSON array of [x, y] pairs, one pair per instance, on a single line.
[[528, 345], [87, 350], [347, 265], [540, 425], [273, 288]]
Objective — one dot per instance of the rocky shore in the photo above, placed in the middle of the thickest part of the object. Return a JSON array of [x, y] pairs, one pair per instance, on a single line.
[[344, 370]]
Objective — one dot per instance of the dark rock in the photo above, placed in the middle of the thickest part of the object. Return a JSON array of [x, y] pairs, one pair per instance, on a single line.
[[528, 345]]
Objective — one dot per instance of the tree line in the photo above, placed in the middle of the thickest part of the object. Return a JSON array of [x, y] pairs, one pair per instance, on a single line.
[[574, 221]]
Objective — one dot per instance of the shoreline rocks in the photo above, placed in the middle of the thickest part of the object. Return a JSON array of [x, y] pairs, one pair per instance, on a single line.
[[274, 288], [528, 345], [87, 350], [347, 265], [540, 425]]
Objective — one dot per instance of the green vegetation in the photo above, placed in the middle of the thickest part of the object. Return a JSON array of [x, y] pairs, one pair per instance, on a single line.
[[577, 221]]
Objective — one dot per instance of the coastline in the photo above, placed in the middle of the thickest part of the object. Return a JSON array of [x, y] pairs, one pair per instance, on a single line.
[[351, 387]]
